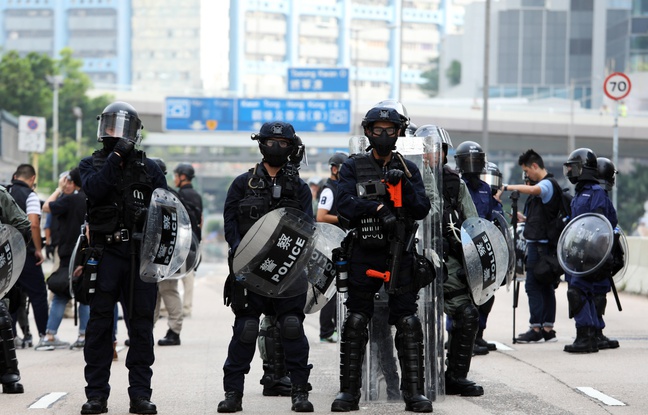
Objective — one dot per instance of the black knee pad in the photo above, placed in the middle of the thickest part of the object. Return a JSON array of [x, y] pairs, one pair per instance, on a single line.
[[250, 331], [410, 326], [576, 300], [5, 317], [466, 315], [355, 326], [291, 328], [600, 302]]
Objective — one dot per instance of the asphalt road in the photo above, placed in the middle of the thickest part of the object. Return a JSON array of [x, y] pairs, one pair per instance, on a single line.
[[518, 379]]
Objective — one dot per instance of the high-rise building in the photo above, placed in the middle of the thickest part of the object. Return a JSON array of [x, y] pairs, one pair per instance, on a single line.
[[123, 44], [386, 44], [543, 49], [166, 46], [98, 32]]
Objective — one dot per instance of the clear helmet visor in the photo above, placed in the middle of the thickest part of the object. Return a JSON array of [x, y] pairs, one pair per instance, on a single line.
[[119, 125], [572, 171]]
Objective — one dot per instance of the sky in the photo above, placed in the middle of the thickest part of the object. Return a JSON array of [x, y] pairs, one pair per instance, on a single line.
[[215, 41]]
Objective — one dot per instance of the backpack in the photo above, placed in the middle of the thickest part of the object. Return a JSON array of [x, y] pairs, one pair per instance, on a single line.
[[557, 224]]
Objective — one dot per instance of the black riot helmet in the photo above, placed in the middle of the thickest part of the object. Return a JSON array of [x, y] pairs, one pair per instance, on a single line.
[[470, 158], [400, 109], [185, 168], [492, 176], [338, 159], [277, 152], [440, 136], [384, 141], [119, 120], [581, 161], [161, 164], [606, 173]]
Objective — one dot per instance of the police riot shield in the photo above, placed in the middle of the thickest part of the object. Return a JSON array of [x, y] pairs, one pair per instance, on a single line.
[[320, 267], [76, 260], [585, 244], [272, 256], [166, 237], [622, 252], [193, 258], [13, 252], [358, 144], [485, 257], [507, 231], [431, 245]]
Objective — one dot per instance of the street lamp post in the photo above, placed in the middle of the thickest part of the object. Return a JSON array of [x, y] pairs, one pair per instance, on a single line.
[[56, 81], [78, 113]]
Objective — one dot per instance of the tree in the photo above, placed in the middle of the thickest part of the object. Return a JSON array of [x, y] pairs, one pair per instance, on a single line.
[[431, 76], [25, 91], [453, 73], [632, 189]]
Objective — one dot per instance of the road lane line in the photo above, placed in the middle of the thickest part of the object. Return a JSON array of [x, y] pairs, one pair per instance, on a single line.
[[593, 393], [47, 400]]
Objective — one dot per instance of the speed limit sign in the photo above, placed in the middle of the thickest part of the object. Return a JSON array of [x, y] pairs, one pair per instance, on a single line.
[[617, 86]]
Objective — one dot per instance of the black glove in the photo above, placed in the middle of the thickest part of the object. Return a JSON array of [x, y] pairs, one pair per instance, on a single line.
[[49, 251], [394, 176], [124, 147], [387, 218]]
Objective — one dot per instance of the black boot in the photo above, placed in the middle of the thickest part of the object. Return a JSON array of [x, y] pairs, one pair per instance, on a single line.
[[352, 349], [142, 405], [171, 339], [9, 373], [604, 342], [299, 397], [409, 343], [275, 380], [460, 350], [479, 341], [95, 406], [233, 403], [586, 341]]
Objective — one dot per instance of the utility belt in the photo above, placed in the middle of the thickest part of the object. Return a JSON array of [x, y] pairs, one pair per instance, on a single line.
[[120, 235]]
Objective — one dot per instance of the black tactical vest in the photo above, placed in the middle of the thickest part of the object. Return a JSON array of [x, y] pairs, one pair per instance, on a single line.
[[262, 195], [538, 215], [124, 207], [20, 192]]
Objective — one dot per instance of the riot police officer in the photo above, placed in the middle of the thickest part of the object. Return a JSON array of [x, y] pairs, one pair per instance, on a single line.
[[581, 169], [274, 183], [13, 215], [365, 207], [458, 303], [471, 162], [119, 181]]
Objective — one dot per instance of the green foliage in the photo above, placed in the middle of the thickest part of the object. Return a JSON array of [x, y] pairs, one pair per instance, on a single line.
[[633, 192], [453, 73], [25, 91], [431, 76]]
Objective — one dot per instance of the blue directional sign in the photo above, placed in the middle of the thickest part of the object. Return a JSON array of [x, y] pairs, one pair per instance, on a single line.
[[199, 114], [315, 115], [318, 80]]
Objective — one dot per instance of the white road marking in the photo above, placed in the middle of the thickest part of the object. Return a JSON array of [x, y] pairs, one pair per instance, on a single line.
[[501, 346], [593, 393], [47, 400]]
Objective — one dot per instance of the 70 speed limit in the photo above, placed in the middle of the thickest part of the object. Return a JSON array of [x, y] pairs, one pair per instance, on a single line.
[[617, 86]]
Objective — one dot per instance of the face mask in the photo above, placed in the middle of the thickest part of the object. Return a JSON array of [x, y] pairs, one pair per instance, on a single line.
[[275, 155], [384, 144]]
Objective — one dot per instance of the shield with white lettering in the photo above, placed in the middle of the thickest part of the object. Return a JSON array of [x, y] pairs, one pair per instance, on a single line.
[[507, 231], [485, 257], [320, 268], [585, 244], [166, 237], [12, 257], [272, 256]]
